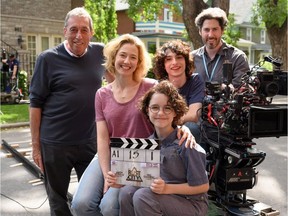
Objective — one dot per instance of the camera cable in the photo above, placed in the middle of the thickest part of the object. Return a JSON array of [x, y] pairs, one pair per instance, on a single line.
[[26, 208]]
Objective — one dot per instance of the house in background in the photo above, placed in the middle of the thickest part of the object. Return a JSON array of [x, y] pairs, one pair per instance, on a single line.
[[167, 27], [254, 41], [30, 27]]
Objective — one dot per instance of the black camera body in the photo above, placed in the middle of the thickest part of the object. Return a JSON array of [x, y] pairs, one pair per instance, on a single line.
[[246, 114], [231, 119], [268, 83]]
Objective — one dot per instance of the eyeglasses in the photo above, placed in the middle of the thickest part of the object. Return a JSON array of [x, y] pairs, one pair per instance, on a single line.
[[166, 109]]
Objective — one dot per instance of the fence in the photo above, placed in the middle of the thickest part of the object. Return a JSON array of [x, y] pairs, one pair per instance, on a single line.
[[23, 56]]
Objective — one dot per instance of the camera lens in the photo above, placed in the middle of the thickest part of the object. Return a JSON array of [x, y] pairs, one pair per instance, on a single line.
[[271, 89]]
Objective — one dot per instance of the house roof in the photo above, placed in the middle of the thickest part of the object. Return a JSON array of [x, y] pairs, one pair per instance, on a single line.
[[246, 43], [157, 34]]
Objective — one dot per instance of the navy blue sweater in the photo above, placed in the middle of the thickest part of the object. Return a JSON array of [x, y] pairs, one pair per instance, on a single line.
[[64, 88]]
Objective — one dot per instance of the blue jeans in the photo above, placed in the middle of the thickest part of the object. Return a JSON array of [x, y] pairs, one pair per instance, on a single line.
[[88, 198]]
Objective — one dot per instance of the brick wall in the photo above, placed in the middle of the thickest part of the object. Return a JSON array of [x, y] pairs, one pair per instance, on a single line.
[[125, 24], [20, 17]]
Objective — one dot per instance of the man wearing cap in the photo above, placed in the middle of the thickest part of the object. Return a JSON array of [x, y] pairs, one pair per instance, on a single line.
[[13, 66]]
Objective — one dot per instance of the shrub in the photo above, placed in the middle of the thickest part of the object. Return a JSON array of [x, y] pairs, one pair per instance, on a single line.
[[22, 83]]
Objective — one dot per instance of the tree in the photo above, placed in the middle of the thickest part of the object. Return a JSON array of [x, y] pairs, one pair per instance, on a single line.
[[231, 34], [103, 13], [274, 15], [146, 10]]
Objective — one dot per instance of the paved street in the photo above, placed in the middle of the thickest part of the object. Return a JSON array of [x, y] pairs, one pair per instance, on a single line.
[[16, 191], [22, 194]]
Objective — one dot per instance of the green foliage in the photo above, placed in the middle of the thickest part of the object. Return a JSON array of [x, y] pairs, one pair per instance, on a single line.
[[144, 10], [268, 66], [104, 82], [185, 35], [148, 10], [22, 83], [103, 13], [175, 6], [231, 34], [271, 12], [13, 113], [150, 73]]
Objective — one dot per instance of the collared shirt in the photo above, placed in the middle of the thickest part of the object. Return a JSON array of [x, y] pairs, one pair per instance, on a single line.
[[214, 66], [179, 164], [70, 53]]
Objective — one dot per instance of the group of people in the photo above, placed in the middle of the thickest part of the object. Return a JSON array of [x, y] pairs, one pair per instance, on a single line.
[[9, 72], [72, 116]]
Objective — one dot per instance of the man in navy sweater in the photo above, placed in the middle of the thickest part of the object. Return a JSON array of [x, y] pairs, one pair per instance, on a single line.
[[62, 116]]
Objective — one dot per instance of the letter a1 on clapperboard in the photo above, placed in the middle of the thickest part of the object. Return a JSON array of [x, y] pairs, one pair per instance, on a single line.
[[135, 161]]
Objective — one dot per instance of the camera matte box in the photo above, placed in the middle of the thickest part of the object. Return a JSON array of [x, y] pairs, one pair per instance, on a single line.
[[267, 121]]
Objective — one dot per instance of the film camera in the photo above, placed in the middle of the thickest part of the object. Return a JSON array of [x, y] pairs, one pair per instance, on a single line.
[[231, 119]]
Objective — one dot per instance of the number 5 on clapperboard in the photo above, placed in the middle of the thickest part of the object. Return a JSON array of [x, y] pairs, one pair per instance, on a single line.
[[135, 161]]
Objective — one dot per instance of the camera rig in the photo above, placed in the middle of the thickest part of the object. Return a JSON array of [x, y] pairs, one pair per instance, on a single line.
[[231, 119]]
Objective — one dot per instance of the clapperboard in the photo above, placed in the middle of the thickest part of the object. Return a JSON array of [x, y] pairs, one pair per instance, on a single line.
[[135, 161]]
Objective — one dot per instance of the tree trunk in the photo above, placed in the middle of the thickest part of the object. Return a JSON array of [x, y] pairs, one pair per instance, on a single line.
[[191, 8], [278, 39], [223, 4]]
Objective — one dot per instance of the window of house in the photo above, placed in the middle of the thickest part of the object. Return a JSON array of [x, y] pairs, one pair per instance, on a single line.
[[44, 43], [38, 43], [263, 36], [57, 40], [249, 34], [31, 45], [168, 15]]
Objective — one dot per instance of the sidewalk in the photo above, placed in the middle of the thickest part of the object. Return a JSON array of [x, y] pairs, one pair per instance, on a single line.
[[23, 195], [14, 125]]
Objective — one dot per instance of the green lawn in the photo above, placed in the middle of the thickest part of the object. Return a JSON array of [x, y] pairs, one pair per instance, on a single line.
[[12, 113]]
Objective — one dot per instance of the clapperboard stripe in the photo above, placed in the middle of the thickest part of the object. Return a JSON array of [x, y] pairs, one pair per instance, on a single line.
[[135, 143]]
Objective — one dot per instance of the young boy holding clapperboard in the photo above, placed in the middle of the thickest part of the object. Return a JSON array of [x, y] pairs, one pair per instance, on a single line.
[[182, 186]]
